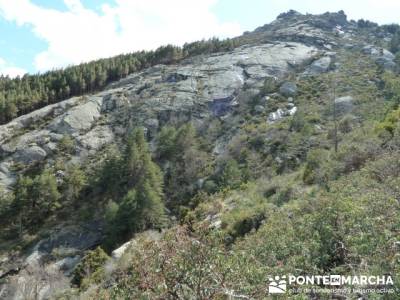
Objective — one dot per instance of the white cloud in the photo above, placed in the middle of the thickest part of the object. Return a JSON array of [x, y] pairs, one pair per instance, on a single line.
[[80, 34], [6, 69]]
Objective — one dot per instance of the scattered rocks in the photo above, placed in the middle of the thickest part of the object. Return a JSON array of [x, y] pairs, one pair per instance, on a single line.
[[281, 113], [381, 56]]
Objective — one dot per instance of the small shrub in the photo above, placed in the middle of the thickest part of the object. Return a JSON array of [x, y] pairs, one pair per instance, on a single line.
[[66, 145], [346, 124], [391, 122], [90, 269], [270, 85], [316, 170]]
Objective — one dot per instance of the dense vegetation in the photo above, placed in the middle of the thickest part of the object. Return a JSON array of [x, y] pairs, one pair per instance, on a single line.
[[22, 95]]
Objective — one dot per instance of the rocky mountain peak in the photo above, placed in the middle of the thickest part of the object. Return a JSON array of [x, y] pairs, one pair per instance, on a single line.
[[326, 20]]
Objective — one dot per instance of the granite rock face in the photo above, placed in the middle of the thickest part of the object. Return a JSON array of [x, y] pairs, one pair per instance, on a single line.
[[46, 268], [195, 89]]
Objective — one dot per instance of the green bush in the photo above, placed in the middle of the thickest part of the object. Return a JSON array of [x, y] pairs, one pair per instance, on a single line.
[[66, 145], [90, 269], [391, 122], [316, 169]]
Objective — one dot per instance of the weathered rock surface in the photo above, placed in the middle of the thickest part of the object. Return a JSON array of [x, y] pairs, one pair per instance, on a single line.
[[280, 113], [319, 66], [381, 56], [150, 235], [288, 89], [344, 104], [199, 87], [31, 154], [45, 269], [79, 118]]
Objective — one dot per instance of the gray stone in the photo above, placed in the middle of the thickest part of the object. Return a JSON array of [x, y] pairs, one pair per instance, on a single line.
[[381, 56], [152, 126], [319, 66], [30, 154], [96, 138], [259, 109], [344, 104], [78, 119], [288, 89], [281, 113], [50, 147], [149, 235], [7, 178], [277, 115], [71, 239], [67, 264], [117, 253]]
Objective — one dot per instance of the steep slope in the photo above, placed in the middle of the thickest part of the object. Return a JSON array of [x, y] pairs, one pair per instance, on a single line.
[[267, 117]]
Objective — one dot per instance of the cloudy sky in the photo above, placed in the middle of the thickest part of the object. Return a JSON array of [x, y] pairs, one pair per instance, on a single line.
[[39, 35]]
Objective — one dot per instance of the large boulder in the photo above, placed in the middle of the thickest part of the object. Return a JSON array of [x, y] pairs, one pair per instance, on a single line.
[[280, 113], [117, 253], [72, 239], [381, 56], [319, 66], [149, 235], [30, 154], [288, 89], [344, 105]]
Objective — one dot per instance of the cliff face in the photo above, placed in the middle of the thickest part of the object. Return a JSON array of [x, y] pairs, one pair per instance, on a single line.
[[199, 89], [195, 90]]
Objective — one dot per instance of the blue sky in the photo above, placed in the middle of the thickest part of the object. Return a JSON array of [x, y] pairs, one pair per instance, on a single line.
[[39, 35]]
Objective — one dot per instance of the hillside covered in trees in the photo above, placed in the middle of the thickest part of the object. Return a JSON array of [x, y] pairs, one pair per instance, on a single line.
[[22, 95]]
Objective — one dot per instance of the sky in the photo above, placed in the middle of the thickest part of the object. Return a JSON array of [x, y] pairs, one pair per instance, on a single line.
[[41, 35]]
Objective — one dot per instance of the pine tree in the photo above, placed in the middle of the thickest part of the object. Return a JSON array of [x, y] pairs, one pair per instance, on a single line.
[[142, 206], [231, 174]]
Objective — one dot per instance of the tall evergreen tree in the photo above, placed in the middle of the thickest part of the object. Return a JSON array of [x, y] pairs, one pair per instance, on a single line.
[[142, 206]]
